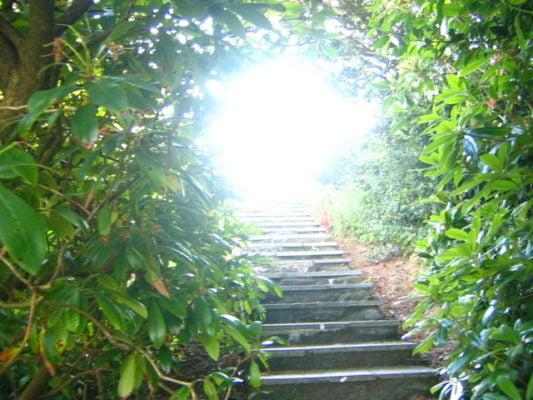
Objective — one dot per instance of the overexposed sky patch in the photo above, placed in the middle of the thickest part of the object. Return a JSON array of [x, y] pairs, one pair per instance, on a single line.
[[279, 124]]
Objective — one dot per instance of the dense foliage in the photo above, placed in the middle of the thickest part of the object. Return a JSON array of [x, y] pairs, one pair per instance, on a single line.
[[377, 192], [113, 254], [458, 75]]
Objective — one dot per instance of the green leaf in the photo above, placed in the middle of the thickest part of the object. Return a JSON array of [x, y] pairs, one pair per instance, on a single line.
[[236, 329], [507, 386], [84, 124], [40, 101], [104, 220], [120, 30], [72, 217], [249, 13], [210, 390], [72, 318], [460, 251], [131, 374], [202, 311], [502, 185], [211, 345], [489, 132], [16, 162], [108, 94], [529, 391], [254, 375], [183, 394], [473, 65], [110, 310], [232, 22], [49, 342], [492, 161], [457, 234], [157, 329], [135, 305], [22, 232]]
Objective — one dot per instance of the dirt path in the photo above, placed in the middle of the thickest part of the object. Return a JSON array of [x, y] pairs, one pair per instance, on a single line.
[[392, 278]]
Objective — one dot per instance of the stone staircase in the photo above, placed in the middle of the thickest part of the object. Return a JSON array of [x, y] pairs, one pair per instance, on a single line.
[[341, 346]]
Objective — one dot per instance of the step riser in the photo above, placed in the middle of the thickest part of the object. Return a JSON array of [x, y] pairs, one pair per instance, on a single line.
[[320, 281], [302, 238], [294, 247], [323, 314], [280, 255], [336, 360], [404, 388], [330, 336], [308, 266], [304, 296]]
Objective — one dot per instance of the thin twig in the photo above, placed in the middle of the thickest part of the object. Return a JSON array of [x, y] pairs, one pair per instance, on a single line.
[[14, 269], [11, 361], [65, 383], [163, 377]]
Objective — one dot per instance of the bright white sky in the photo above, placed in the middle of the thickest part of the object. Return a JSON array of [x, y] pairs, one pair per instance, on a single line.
[[279, 124]]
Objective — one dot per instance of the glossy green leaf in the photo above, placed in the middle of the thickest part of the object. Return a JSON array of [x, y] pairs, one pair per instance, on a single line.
[[129, 376], [157, 329], [492, 161], [252, 14], [110, 310], [232, 22], [458, 234], [109, 94], [209, 389], [211, 345], [84, 124], [16, 162], [508, 387], [22, 232], [254, 375], [104, 220], [202, 311], [135, 305], [473, 65], [72, 317], [71, 216], [49, 341]]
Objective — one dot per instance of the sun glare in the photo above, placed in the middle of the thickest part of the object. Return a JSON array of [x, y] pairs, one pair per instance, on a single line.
[[279, 124]]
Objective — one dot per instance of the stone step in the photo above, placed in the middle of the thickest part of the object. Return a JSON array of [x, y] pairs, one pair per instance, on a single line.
[[334, 332], [385, 383], [323, 311], [289, 219], [335, 356], [316, 293], [274, 214], [292, 224], [281, 238], [296, 229], [294, 246], [316, 278], [302, 255], [310, 265]]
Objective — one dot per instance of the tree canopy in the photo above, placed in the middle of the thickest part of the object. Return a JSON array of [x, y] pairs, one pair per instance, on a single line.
[[115, 255]]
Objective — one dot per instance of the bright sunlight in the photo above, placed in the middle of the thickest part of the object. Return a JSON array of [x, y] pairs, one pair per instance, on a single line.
[[279, 124]]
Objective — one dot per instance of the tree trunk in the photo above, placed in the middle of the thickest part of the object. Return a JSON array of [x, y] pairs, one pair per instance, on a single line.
[[24, 70]]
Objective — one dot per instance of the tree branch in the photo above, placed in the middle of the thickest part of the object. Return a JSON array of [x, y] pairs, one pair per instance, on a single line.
[[10, 32], [71, 15]]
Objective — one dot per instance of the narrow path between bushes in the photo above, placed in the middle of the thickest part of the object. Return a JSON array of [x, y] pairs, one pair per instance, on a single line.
[[341, 344]]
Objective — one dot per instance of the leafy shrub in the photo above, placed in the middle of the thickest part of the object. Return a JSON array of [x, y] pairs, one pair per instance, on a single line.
[[459, 74], [378, 193]]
